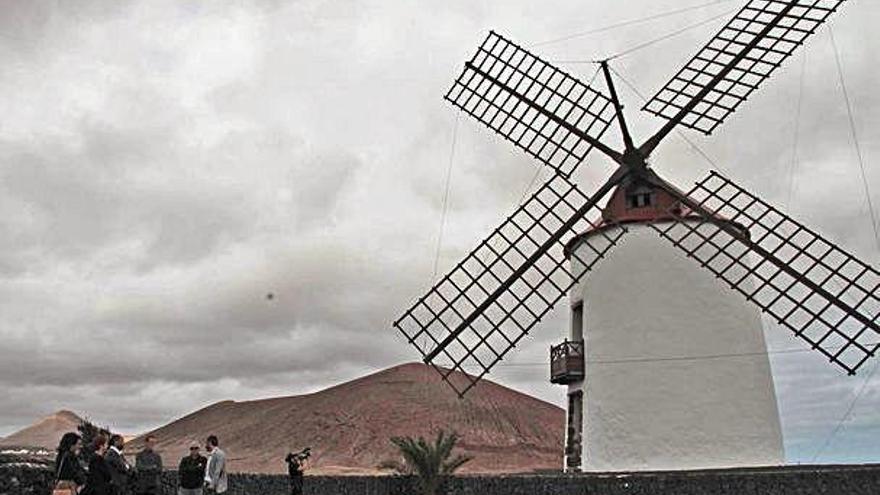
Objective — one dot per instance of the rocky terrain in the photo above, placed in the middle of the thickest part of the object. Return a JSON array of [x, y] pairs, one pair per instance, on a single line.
[[45, 433], [348, 426]]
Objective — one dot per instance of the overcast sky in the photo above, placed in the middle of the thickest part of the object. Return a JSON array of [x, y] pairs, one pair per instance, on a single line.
[[164, 165]]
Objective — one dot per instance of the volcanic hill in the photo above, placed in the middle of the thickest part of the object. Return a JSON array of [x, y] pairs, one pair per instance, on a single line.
[[348, 426], [45, 433]]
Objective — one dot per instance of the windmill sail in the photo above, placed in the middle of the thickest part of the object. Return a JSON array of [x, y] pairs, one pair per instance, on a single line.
[[734, 63], [480, 310], [539, 108], [826, 296]]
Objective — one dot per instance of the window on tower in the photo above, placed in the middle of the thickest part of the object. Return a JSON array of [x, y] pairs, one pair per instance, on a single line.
[[577, 321], [574, 432], [639, 200]]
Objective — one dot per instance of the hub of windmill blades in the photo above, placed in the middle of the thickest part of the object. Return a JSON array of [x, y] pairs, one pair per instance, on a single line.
[[485, 306]]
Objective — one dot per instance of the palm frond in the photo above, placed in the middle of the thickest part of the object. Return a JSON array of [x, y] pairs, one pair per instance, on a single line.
[[450, 467], [430, 462]]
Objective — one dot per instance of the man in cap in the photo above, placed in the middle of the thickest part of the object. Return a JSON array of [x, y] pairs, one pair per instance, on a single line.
[[191, 472]]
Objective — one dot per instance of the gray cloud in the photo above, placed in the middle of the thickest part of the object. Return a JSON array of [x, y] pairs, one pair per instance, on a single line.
[[164, 166]]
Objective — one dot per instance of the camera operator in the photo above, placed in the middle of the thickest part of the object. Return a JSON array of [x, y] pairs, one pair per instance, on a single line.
[[295, 467]]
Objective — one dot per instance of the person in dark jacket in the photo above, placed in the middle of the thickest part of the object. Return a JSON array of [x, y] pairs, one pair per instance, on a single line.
[[191, 472], [295, 467], [99, 481], [120, 469], [148, 466], [69, 474]]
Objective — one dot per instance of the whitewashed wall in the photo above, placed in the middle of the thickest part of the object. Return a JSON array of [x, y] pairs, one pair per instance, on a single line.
[[645, 307]]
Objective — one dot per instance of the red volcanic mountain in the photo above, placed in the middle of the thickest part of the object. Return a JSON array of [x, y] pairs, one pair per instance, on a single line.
[[46, 432], [348, 426]]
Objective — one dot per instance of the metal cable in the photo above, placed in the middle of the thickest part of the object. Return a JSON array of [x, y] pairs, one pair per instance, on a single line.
[[629, 23], [445, 197], [855, 137], [715, 165], [795, 158], [846, 414], [646, 44], [678, 358], [425, 389], [852, 123], [672, 34], [538, 172]]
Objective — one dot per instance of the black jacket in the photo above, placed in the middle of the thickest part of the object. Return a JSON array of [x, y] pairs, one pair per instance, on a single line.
[[148, 465], [192, 472], [120, 470], [98, 482], [294, 468], [67, 468]]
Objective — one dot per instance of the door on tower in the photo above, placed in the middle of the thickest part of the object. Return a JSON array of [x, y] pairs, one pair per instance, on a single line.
[[574, 432]]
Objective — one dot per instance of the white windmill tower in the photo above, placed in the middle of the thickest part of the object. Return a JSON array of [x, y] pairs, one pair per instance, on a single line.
[[677, 375], [647, 299]]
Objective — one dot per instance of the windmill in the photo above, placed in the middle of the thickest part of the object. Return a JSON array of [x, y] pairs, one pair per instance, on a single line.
[[552, 246]]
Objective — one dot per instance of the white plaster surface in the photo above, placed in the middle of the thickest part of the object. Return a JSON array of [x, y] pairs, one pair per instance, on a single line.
[[648, 310]]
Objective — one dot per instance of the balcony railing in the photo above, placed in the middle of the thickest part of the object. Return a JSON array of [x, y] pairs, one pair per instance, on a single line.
[[567, 362]]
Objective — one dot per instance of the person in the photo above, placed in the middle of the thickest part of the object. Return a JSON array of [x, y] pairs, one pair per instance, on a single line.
[[191, 472], [120, 469], [99, 480], [69, 474], [295, 468], [215, 471], [148, 466]]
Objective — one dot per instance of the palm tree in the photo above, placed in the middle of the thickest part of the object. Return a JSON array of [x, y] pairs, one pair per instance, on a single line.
[[430, 463], [88, 431]]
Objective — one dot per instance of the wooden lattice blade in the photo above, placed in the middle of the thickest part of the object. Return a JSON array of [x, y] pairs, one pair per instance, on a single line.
[[823, 294], [759, 38], [481, 309], [539, 108]]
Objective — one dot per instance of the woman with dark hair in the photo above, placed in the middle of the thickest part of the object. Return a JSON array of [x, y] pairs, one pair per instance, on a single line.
[[98, 481], [69, 475]]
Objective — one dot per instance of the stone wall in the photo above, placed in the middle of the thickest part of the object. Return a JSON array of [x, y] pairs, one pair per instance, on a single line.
[[30, 479], [25, 479]]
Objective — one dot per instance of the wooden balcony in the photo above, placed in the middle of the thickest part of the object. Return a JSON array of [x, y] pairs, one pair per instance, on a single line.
[[567, 362]]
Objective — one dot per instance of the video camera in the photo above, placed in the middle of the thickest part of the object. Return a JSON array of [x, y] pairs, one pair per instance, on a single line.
[[298, 457]]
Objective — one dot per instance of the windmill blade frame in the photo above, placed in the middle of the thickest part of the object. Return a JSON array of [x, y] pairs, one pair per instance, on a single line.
[[541, 109], [824, 295], [734, 63], [481, 309]]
